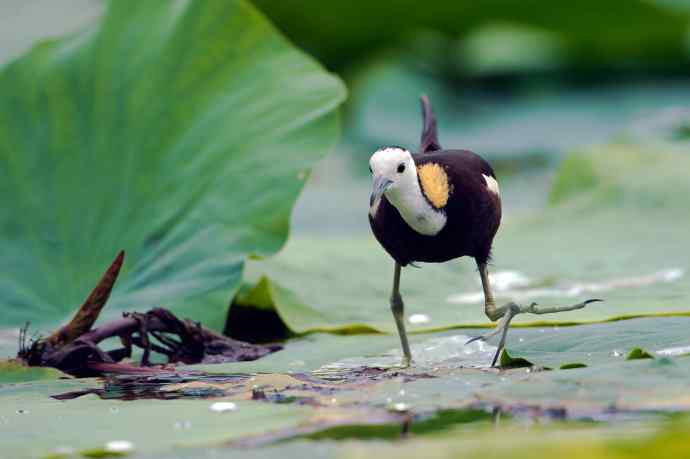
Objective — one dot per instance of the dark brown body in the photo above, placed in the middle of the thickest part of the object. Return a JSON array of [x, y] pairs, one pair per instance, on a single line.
[[473, 214]]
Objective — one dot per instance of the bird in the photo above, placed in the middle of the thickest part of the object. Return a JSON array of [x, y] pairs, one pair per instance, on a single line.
[[438, 205]]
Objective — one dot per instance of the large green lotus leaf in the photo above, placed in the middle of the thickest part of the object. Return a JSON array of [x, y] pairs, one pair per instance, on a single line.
[[446, 374], [443, 378], [650, 385], [615, 230], [299, 318], [34, 425], [595, 345], [181, 132]]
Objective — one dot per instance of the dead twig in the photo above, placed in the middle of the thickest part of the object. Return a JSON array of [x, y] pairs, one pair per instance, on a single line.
[[74, 348]]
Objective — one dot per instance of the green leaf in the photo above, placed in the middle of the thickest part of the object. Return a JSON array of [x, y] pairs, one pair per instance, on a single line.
[[566, 440], [600, 344], [38, 425], [507, 48], [357, 27], [577, 173], [508, 361], [181, 132], [14, 371], [100, 453], [290, 315], [440, 421], [639, 353], [572, 366]]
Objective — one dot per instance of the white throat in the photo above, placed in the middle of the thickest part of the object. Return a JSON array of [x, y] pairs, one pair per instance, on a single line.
[[415, 209]]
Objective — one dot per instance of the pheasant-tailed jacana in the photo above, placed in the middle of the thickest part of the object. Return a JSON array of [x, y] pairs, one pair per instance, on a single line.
[[434, 206]]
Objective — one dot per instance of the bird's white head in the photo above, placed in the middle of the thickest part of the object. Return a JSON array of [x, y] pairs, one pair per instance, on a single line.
[[393, 171]]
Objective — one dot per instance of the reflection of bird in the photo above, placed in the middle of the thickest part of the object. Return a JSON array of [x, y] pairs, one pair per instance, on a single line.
[[435, 206]]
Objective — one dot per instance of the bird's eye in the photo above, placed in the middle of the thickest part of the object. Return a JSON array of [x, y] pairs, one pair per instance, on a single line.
[[401, 168], [370, 171]]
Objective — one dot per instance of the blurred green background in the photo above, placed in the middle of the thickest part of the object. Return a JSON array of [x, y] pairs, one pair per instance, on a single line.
[[526, 84]]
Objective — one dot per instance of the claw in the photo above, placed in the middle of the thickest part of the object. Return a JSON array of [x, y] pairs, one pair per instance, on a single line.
[[476, 338], [496, 355], [491, 334]]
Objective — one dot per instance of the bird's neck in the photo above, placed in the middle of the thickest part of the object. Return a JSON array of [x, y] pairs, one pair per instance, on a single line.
[[415, 209]]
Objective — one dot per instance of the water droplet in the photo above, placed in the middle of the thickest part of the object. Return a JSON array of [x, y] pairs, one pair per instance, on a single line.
[[402, 392], [674, 351], [183, 425], [521, 340], [64, 451], [399, 407], [22, 411], [616, 353], [419, 319], [222, 407], [119, 446]]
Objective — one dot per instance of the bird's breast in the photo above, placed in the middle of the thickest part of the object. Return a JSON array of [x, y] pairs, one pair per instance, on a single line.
[[426, 221]]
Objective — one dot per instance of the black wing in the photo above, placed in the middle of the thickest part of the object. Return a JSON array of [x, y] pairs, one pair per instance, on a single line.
[[429, 141]]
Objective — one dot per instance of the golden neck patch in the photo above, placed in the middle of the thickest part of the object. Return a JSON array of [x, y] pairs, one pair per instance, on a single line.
[[434, 182]]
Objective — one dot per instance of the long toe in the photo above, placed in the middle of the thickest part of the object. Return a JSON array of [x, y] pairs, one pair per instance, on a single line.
[[485, 337], [476, 338]]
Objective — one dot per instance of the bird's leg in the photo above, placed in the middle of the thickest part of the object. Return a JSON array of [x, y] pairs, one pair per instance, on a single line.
[[397, 307], [490, 309], [507, 312]]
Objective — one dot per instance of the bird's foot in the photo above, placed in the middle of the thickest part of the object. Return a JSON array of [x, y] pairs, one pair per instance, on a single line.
[[513, 309]]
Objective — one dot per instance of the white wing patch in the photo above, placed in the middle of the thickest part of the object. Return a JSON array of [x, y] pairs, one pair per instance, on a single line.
[[492, 184]]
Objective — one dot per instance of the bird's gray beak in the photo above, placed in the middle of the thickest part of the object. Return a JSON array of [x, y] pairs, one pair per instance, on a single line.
[[381, 184]]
